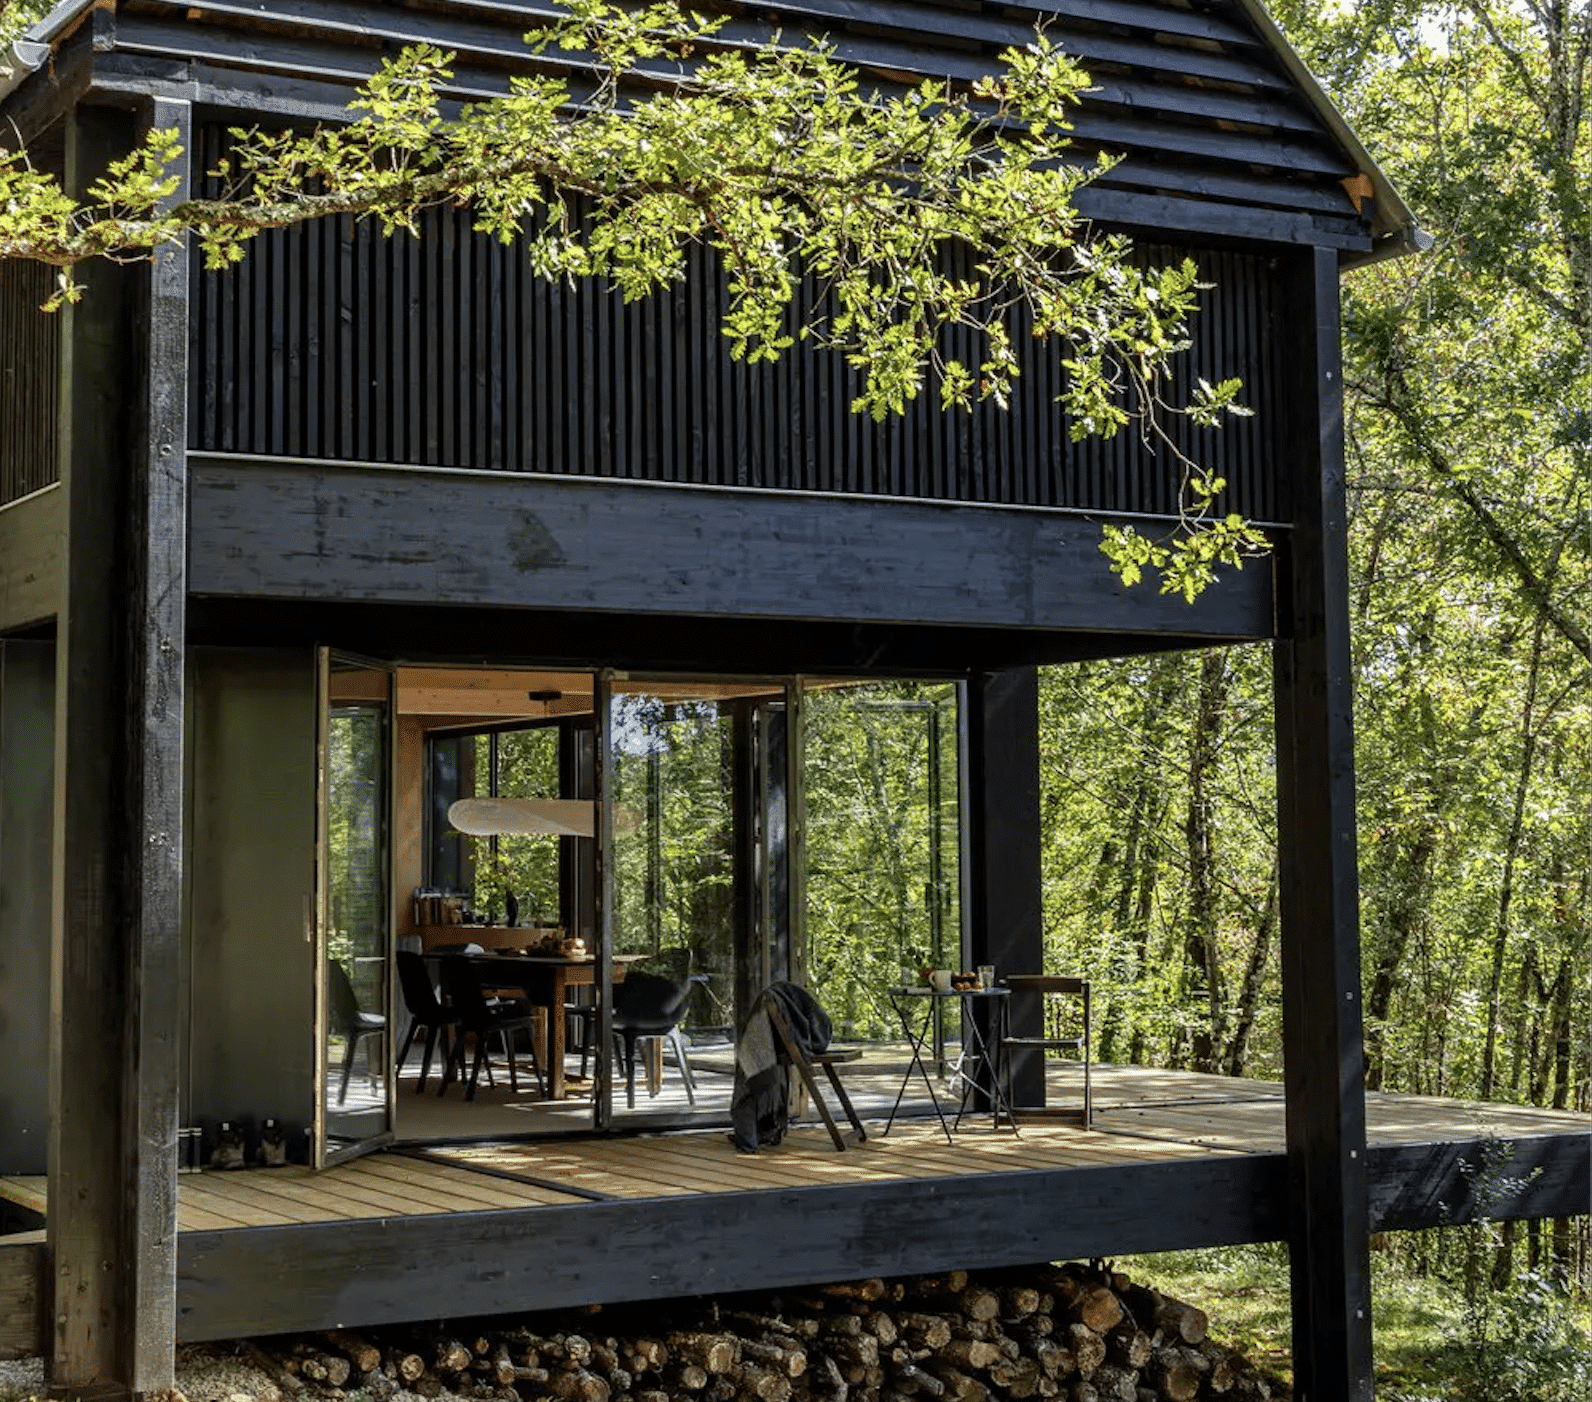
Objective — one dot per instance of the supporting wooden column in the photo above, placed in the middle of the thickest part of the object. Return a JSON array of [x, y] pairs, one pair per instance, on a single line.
[[118, 842], [1324, 1073], [1001, 842]]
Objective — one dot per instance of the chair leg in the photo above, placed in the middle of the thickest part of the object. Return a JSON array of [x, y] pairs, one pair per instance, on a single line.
[[845, 1102], [536, 1068], [348, 1067], [508, 1051], [409, 1041], [583, 1019], [475, 1068], [677, 1041], [630, 1071], [804, 1069], [432, 1029], [454, 1065]]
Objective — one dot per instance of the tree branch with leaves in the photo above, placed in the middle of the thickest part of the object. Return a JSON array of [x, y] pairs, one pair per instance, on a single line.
[[834, 210]]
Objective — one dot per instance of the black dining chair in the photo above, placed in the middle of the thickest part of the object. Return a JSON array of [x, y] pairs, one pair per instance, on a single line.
[[346, 1019], [461, 986], [648, 1006], [420, 998]]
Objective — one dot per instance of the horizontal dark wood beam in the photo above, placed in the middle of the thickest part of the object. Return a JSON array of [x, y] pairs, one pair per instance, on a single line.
[[234, 1283], [1500, 1179], [762, 647], [266, 1279], [276, 530]]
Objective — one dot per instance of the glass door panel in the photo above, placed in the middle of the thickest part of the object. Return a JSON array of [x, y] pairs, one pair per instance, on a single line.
[[882, 838], [689, 885], [354, 1110]]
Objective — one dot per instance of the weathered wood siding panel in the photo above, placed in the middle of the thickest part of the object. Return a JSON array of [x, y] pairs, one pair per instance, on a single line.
[[22, 1282], [357, 534], [331, 342], [30, 367]]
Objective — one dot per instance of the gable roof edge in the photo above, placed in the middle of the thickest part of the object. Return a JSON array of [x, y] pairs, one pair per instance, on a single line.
[[25, 55], [1395, 228]]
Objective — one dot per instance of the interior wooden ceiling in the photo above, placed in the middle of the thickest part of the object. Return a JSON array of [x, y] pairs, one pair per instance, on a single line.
[[498, 694]]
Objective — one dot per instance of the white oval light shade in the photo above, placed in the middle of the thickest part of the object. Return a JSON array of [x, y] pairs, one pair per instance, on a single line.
[[555, 817], [548, 817]]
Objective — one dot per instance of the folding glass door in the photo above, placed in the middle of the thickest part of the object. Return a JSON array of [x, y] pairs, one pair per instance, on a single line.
[[695, 885], [354, 1004]]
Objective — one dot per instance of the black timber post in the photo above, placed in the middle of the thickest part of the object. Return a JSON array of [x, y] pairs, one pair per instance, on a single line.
[[1001, 842], [1322, 1040], [112, 1236]]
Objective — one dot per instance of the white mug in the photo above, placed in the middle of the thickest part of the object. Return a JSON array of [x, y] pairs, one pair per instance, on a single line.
[[941, 980]]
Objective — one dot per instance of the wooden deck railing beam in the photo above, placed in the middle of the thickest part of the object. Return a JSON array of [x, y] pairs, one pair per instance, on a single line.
[[235, 1283]]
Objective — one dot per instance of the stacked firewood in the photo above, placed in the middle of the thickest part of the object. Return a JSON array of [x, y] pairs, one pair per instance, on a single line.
[[1073, 1332]]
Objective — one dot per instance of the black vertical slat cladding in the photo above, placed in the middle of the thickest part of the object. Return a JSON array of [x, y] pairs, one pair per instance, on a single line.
[[443, 349], [30, 357]]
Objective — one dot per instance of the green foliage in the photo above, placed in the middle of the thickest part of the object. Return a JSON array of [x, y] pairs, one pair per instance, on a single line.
[[882, 878], [774, 157], [674, 851], [15, 17], [1469, 467], [526, 866], [1534, 1348]]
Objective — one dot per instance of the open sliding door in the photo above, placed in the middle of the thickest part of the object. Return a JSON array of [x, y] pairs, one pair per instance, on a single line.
[[354, 1012], [695, 891]]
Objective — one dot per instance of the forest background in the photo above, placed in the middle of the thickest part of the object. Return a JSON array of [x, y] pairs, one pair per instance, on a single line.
[[1468, 429], [1469, 441]]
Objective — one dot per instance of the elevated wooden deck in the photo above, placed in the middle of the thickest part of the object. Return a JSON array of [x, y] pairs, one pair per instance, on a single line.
[[1175, 1160]]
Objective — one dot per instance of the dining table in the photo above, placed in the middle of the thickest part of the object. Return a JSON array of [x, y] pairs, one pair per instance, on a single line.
[[545, 980]]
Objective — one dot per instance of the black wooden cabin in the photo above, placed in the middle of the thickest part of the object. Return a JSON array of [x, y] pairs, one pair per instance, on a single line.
[[412, 451]]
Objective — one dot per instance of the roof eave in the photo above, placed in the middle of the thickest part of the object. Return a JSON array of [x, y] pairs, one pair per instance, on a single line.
[[1395, 229], [24, 57]]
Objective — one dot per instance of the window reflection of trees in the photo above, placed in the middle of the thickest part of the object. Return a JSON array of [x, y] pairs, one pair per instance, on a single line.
[[521, 763]]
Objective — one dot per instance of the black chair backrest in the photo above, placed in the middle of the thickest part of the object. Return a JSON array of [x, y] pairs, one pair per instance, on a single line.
[[646, 1000], [419, 996], [342, 1005], [461, 985]]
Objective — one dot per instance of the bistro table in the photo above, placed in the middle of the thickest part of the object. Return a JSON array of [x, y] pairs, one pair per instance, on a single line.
[[916, 1007], [545, 980]]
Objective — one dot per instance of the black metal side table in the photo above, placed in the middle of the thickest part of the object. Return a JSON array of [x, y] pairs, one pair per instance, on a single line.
[[977, 1050]]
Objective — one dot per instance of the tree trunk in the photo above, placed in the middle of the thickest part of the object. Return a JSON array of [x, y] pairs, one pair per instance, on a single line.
[[1254, 981], [1500, 946], [1201, 950]]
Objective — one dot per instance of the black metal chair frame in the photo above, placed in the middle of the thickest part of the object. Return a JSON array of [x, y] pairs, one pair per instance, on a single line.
[[425, 1010], [632, 1027], [1048, 1040], [349, 1020], [462, 987]]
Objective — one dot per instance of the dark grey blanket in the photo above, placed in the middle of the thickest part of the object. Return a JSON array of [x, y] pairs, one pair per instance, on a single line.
[[760, 1101]]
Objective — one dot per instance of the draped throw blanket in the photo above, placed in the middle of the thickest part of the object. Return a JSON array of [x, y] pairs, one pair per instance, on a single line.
[[760, 1102]]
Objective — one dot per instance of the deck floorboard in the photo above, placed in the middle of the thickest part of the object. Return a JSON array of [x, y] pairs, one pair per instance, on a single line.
[[1141, 1115]]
